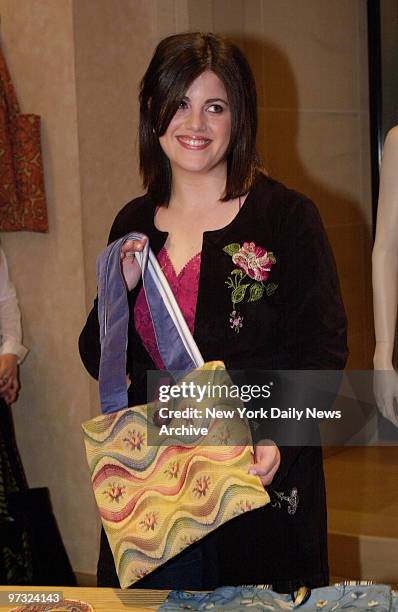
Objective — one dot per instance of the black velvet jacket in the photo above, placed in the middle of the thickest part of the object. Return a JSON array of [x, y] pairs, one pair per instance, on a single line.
[[301, 325]]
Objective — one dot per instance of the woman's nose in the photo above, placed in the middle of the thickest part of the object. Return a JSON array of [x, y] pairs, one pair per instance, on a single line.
[[196, 120]]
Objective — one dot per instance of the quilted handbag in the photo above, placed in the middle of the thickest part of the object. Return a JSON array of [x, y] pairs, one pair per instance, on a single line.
[[157, 494]]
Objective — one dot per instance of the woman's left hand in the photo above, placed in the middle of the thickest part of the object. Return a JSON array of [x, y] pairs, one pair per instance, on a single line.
[[267, 460]]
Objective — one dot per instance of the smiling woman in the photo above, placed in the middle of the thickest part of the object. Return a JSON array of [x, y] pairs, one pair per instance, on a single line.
[[205, 80], [231, 242]]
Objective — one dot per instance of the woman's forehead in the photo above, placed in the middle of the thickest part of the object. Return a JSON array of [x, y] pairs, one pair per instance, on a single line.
[[207, 85]]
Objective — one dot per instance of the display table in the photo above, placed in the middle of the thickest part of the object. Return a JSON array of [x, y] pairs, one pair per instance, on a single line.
[[102, 600], [345, 595]]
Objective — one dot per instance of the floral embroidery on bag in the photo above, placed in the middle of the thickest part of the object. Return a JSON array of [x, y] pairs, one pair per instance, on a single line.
[[222, 436], [202, 486], [187, 541], [141, 572], [134, 439], [149, 522], [173, 469], [254, 265], [242, 506], [115, 492]]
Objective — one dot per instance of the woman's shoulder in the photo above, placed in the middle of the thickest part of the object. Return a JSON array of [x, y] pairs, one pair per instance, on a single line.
[[133, 216]]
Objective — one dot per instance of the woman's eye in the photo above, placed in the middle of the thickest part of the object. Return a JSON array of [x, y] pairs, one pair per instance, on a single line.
[[215, 108], [183, 104]]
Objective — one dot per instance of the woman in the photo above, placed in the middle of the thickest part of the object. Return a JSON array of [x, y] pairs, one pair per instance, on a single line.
[[208, 211], [15, 563]]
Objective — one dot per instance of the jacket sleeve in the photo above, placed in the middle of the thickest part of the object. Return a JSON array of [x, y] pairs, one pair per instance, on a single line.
[[314, 324], [89, 342], [10, 315]]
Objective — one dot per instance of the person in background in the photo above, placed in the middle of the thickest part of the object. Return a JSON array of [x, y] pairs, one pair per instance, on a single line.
[[12, 352], [14, 552]]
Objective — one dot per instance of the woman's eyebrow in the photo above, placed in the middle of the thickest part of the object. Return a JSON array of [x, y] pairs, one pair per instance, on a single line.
[[208, 101], [216, 100]]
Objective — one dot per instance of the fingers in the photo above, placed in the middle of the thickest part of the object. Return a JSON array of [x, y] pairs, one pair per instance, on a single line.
[[6, 383], [15, 386], [11, 393], [266, 475], [129, 264], [9, 396], [267, 460], [130, 247]]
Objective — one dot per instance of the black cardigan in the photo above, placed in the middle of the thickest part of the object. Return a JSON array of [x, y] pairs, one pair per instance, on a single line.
[[301, 325]]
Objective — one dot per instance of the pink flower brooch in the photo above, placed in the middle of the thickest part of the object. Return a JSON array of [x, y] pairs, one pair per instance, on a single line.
[[254, 264]]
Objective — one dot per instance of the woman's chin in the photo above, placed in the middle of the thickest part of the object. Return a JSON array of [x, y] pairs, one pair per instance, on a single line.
[[196, 167]]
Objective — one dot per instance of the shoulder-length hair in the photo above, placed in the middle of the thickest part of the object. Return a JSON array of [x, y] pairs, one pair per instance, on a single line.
[[178, 60]]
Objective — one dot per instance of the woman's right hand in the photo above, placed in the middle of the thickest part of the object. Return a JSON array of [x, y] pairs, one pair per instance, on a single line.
[[267, 459], [130, 267]]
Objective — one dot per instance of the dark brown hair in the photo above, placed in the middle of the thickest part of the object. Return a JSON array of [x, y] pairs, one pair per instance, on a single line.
[[178, 60]]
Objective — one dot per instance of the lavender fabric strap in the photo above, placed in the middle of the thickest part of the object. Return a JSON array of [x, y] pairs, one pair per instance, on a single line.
[[177, 348]]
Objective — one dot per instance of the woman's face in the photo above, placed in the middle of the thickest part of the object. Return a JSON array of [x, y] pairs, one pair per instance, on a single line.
[[199, 133]]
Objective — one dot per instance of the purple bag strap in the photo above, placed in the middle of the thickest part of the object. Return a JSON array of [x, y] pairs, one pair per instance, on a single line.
[[177, 348]]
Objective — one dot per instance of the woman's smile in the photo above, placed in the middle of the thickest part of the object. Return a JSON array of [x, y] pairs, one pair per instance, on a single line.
[[194, 143]]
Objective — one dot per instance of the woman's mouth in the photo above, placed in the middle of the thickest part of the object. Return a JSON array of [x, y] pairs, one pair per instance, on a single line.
[[193, 142]]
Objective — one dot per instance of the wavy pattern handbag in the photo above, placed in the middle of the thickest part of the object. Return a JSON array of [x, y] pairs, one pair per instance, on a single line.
[[157, 498]]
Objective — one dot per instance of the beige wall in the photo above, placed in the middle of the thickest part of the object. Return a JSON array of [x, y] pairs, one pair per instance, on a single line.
[[77, 63], [109, 61], [310, 63]]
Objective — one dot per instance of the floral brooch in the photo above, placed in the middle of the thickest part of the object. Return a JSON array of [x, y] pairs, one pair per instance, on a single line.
[[254, 265]]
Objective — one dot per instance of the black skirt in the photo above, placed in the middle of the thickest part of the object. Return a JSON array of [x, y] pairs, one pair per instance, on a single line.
[[15, 554]]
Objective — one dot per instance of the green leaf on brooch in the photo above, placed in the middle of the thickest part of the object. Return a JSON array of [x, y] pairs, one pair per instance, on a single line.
[[271, 288], [256, 292], [271, 257], [238, 294], [232, 248], [237, 271]]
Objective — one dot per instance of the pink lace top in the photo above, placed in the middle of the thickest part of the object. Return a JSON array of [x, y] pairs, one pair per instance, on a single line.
[[185, 288]]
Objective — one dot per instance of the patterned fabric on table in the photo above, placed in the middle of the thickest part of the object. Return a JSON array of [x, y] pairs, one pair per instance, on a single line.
[[22, 196], [377, 597], [156, 500]]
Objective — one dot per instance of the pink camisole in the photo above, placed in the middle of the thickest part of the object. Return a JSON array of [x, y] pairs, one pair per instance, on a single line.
[[185, 288]]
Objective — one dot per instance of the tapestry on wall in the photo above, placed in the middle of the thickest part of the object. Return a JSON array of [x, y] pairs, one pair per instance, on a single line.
[[22, 195]]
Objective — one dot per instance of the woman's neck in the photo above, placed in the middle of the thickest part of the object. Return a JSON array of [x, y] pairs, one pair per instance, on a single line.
[[194, 190]]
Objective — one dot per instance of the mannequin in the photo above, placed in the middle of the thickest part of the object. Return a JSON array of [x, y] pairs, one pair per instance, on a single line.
[[385, 281]]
